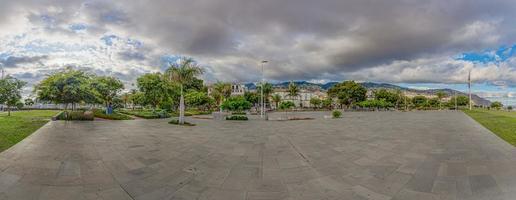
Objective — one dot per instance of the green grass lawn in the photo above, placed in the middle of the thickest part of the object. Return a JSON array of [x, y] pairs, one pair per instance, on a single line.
[[502, 123], [21, 124]]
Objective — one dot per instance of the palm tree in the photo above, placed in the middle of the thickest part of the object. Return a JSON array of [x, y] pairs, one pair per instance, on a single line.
[[276, 98], [220, 92], [182, 73], [267, 91], [440, 95], [293, 90]]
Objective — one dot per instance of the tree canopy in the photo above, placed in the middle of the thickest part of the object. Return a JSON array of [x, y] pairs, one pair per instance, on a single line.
[[348, 92], [10, 92]]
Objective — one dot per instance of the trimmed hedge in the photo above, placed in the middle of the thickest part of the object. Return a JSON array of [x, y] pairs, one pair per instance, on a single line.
[[76, 116], [115, 116], [147, 114], [176, 122], [237, 117]]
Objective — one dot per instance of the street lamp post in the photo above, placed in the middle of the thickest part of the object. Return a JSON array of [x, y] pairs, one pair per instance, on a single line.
[[261, 89]]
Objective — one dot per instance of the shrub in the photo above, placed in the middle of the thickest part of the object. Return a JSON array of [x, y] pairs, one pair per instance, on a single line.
[[237, 117], [238, 113], [76, 116], [336, 114], [286, 105], [115, 116], [147, 114], [176, 122], [509, 107], [237, 103]]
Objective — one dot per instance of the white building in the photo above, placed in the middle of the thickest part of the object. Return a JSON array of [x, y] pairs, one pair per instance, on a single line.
[[236, 89], [303, 99]]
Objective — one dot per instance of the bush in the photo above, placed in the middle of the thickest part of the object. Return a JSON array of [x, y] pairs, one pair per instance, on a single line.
[[115, 116], [238, 113], [176, 122], [236, 103], [76, 116], [237, 117], [286, 105], [147, 114], [336, 114]]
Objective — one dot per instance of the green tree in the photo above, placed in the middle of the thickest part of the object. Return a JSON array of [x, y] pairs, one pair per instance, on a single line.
[[315, 101], [153, 88], [236, 103], [388, 96], [440, 96], [276, 98], [199, 99], [461, 100], [348, 93], [106, 88], [420, 101], [10, 92], [66, 87], [326, 103], [221, 91], [183, 73], [267, 91], [286, 105], [126, 98], [252, 97], [28, 102], [293, 90], [496, 105]]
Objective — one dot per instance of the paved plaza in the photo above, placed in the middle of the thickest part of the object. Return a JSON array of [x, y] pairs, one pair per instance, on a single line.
[[375, 155]]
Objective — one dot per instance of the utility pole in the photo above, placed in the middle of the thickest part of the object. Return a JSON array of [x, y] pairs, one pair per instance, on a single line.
[[469, 88], [262, 102], [2, 70]]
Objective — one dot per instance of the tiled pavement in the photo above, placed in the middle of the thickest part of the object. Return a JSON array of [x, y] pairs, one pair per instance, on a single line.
[[377, 156]]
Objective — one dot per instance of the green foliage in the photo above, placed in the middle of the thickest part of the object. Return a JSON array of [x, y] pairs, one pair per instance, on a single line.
[[374, 103], [496, 105], [154, 89], [115, 116], [509, 107], [147, 114], [28, 102], [176, 122], [285, 105], [221, 91], [315, 101], [252, 97], [267, 91], [198, 99], [461, 101], [336, 114], [106, 88], [237, 117], [237, 103], [76, 116], [10, 92], [326, 103], [420, 101], [66, 87], [348, 92], [388, 96], [276, 98], [293, 90]]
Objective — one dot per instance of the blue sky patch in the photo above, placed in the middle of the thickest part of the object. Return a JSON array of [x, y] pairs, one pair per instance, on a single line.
[[78, 27], [108, 39], [490, 55]]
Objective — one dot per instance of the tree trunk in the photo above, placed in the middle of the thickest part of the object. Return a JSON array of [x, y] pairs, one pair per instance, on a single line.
[[181, 108], [8, 111]]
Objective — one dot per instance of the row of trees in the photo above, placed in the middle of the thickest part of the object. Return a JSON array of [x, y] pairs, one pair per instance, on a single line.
[[70, 87]]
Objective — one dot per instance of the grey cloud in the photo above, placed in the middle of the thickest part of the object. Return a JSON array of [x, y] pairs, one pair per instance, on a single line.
[[303, 39], [16, 61]]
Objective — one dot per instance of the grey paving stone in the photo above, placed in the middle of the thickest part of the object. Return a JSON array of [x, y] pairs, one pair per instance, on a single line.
[[381, 155]]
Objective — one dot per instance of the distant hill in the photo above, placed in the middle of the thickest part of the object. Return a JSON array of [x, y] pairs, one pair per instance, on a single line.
[[373, 86]]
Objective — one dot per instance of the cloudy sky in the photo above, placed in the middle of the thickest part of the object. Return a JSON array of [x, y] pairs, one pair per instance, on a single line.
[[425, 44]]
